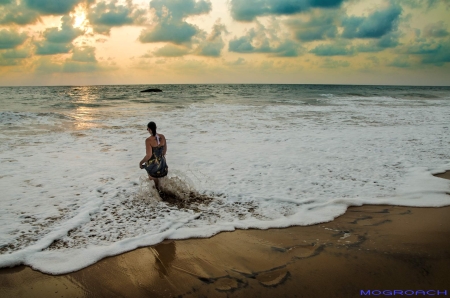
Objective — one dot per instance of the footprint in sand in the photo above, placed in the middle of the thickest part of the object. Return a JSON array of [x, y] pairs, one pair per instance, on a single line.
[[300, 251], [273, 278], [227, 284], [368, 221]]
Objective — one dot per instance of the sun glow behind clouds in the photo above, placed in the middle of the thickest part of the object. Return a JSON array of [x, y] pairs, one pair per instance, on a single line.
[[80, 18], [126, 41], [80, 21]]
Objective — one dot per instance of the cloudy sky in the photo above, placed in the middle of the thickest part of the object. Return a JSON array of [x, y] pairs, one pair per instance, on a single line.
[[85, 42]]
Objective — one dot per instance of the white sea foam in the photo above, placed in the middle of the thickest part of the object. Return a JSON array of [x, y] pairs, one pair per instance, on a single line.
[[70, 198]]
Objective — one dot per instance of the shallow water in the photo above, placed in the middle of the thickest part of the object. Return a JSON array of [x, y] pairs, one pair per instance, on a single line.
[[267, 155]]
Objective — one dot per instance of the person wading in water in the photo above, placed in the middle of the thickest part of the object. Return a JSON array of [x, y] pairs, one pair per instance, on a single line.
[[154, 161]]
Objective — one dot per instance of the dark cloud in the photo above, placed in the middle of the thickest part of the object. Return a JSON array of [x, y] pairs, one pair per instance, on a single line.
[[178, 33], [430, 51], [262, 40], [387, 41], [16, 54], [104, 16], [336, 49], [214, 43], [19, 14], [52, 7], [179, 9], [10, 39], [374, 26], [241, 45], [435, 30], [286, 49], [439, 59], [321, 26], [248, 10], [437, 54], [424, 47], [390, 40], [317, 33], [171, 26], [244, 45], [66, 34], [51, 48]]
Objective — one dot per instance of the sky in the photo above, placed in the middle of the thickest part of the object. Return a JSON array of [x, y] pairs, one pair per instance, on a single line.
[[96, 42]]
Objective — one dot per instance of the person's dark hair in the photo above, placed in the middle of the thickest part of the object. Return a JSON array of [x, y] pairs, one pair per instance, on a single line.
[[152, 127]]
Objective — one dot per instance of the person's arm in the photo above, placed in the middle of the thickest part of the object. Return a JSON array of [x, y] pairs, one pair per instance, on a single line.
[[165, 146], [148, 153]]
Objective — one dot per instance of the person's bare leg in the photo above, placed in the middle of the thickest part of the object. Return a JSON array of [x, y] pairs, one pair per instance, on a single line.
[[152, 179], [157, 185], [156, 182]]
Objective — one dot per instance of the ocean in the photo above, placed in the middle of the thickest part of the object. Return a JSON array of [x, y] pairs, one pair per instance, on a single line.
[[239, 156]]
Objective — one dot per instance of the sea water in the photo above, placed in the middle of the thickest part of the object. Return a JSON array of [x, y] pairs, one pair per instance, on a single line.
[[263, 156]]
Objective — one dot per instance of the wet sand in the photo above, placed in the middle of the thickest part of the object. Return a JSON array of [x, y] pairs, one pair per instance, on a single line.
[[368, 248]]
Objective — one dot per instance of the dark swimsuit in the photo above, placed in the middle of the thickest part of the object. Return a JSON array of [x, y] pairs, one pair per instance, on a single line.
[[156, 166]]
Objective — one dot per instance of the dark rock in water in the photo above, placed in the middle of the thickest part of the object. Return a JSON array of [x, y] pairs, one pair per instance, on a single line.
[[152, 90]]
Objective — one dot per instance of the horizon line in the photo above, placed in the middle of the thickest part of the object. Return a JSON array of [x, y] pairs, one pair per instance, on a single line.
[[161, 84]]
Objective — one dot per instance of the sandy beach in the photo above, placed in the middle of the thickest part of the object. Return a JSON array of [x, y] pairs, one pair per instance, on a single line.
[[368, 248]]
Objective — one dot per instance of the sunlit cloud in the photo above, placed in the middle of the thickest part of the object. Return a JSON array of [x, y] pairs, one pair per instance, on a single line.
[[14, 56], [176, 41], [66, 34], [58, 40], [86, 54], [263, 39], [170, 50], [212, 46], [82, 60], [237, 62], [106, 15], [171, 25]]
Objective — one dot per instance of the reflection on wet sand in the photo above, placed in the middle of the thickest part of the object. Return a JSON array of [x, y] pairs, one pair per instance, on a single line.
[[164, 255]]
